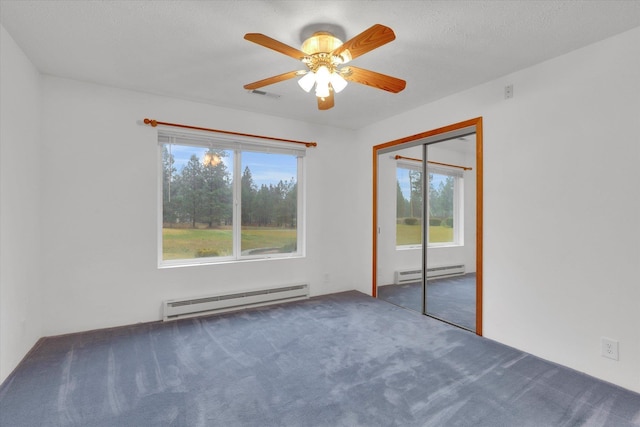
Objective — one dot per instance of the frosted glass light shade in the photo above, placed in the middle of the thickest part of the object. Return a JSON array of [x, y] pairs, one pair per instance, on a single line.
[[307, 81], [322, 91], [337, 82], [322, 82]]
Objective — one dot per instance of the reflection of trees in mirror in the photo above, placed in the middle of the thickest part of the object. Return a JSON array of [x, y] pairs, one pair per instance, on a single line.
[[441, 199], [412, 207], [409, 212], [441, 194]]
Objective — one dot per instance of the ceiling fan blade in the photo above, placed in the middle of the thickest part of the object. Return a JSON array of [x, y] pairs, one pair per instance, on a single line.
[[364, 42], [272, 80], [326, 102], [274, 44], [371, 78]]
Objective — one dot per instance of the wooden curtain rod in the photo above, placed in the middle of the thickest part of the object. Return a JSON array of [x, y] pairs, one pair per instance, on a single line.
[[434, 163], [154, 123]]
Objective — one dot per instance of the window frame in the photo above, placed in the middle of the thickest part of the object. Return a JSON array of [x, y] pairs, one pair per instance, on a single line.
[[237, 144]]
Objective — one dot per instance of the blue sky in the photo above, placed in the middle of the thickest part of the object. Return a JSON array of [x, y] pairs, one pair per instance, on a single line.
[[403, 178], [265, 168]]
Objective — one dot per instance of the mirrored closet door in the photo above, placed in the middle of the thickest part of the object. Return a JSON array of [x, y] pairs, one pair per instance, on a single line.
[[427, 250], [450, 231]]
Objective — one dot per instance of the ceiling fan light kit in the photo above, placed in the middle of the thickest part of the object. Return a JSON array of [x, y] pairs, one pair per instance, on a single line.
[[323, 54]]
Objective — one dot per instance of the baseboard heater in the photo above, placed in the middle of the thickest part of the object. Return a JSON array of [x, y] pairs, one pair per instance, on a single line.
[[183, 308], [414, 275]]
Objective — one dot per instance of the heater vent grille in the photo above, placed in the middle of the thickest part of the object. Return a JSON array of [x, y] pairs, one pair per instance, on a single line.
[[414, 275], [175, 309]]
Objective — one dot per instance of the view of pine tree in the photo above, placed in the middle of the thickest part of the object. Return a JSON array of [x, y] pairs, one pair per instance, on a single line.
[[201, 195], [190, 188], [287, 207], [248, 192], [169, 210], [216, 192], [271, 205]]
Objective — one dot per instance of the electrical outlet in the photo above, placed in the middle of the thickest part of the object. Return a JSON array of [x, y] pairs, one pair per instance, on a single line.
[[508, 91], [609, 348]]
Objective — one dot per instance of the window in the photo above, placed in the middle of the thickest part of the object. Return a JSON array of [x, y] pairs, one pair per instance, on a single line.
[[226, 200], [445, 205], [409, 205]]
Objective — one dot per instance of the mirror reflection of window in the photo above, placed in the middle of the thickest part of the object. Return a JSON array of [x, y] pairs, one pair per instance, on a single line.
[[440, 192], [445, 205]]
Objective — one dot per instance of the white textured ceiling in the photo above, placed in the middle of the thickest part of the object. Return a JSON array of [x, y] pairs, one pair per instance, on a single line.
[[195, 49]]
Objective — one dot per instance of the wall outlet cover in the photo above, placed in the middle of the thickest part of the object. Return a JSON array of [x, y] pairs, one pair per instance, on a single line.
[[610, 348]]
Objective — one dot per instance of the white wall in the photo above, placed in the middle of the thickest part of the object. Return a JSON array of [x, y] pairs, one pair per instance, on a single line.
[[100, 198], [561, 203], [20, 287]]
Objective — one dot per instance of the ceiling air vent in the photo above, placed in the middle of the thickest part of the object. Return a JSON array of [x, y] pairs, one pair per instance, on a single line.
[[263, 93]]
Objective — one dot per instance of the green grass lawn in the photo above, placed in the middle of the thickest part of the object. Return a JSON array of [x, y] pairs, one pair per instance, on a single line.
[[180, 243], [412, 234], [184, 243]]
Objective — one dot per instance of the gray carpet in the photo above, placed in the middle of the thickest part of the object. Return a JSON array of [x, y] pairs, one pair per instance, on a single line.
[[337, 360], [452, 299]]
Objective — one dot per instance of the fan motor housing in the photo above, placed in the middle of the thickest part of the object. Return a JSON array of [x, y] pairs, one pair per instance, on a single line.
[[321, 42]]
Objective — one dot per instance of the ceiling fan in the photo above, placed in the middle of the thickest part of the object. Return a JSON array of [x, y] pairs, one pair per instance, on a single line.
[[324, 54]]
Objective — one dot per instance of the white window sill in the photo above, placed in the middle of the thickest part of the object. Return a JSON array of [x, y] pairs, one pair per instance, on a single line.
[[209, 262]]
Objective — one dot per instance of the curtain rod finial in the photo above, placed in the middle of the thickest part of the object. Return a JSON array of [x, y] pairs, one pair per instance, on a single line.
[[153, 123]]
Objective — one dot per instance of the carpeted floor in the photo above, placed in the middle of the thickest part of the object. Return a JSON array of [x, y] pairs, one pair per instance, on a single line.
[[337, 360], [452, 299]]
